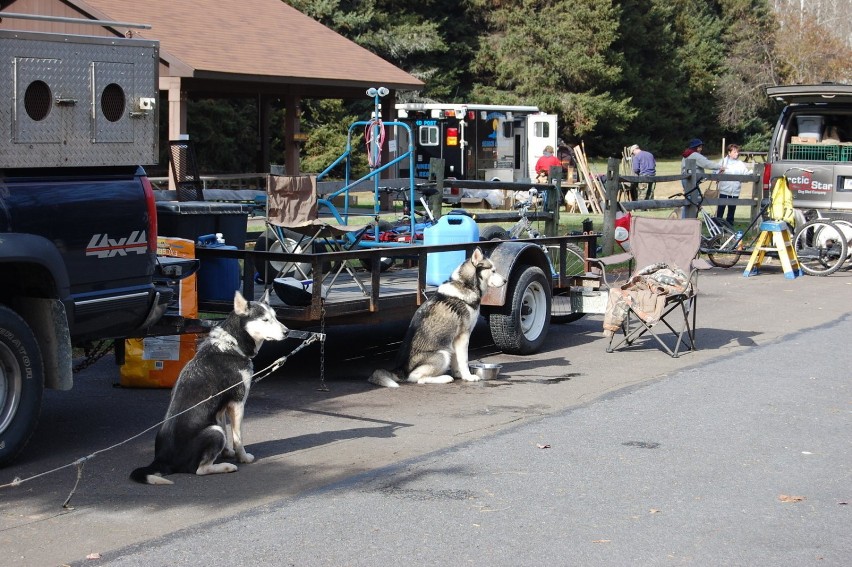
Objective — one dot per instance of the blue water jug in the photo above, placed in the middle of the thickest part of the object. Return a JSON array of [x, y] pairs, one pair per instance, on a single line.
[[218, 278], [450, 229]]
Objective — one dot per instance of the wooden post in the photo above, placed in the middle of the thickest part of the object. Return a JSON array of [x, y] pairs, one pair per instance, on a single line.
[[612, 185], [436, 171], [691, 210]]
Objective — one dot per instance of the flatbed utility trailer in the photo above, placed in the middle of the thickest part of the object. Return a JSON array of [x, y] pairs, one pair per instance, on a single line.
[[519, 313]]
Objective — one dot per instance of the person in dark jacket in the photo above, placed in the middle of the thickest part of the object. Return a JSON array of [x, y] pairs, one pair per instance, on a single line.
[[643, 163]]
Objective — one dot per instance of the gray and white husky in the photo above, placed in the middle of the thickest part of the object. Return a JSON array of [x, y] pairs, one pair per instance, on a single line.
[[197, 429], [439, 333]]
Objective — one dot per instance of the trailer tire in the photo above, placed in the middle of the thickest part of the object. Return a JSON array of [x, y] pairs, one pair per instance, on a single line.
[[520, 326], [21, 384]]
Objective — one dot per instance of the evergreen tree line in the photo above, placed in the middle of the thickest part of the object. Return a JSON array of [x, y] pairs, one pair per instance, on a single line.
[[652, 72]]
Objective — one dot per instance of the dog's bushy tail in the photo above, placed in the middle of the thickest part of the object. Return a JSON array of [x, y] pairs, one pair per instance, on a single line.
[[385, 378], [152, 474]]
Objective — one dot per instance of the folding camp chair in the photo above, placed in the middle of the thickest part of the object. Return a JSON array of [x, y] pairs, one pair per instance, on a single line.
[[185, 171], [662, 287], [291, 205]]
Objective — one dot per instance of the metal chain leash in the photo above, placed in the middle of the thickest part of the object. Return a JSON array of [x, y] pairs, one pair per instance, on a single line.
[[93, 353], [322, 387]]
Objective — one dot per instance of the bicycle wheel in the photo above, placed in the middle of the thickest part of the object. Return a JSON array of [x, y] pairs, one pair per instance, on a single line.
[[820, 247], [723, 251], [845, 227], [575, 264]]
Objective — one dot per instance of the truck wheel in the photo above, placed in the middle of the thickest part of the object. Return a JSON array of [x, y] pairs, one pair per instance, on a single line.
[[520, 326], [21, 384]]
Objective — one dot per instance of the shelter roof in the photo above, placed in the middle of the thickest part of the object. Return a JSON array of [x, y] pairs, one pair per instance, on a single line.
[[264, 41]]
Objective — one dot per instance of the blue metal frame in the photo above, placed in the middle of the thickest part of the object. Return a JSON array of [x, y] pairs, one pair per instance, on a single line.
[[343, 217]]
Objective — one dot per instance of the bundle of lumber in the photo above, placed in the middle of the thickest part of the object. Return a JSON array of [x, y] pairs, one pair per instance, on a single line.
[[595, 194]]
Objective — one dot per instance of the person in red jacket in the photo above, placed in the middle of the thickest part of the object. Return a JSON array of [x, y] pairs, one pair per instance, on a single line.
[[544, 163]]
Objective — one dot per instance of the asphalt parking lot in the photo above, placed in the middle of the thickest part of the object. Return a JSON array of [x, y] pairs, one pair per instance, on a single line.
[[305, 438]]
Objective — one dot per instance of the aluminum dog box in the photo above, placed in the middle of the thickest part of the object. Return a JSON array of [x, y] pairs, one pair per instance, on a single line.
[[78, 101]]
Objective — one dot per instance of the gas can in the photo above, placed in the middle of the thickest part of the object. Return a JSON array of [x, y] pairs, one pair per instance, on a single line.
[[218, 278], [450, 229]]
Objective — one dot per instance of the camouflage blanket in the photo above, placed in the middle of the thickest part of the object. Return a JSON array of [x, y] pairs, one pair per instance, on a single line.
[[646, 293]]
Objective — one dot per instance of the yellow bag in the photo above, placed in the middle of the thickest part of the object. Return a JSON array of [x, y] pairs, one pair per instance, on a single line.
[[156, 362]]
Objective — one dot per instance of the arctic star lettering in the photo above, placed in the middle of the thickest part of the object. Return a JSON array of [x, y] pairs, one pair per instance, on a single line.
[[102, 246]]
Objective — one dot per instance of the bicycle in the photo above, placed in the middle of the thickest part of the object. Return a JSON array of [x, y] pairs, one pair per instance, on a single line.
[[399, 230], [575, 263], [822, 245], [722, 243], [724, 246]]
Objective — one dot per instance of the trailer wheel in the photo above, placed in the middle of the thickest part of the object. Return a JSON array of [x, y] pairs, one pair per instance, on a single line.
[[21, 384], [520, 326]]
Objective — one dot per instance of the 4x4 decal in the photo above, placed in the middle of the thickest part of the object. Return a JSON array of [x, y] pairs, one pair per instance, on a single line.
[[102, 246]]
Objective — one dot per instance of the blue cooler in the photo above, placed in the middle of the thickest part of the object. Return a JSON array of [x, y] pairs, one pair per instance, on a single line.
[[218, 278], [450, 229]]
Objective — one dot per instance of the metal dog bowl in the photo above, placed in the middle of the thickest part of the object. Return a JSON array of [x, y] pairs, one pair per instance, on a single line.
[[485, 371], [291, 292]]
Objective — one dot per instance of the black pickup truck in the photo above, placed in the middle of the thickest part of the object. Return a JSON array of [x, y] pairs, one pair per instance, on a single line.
[[78, 220], [78, 263]]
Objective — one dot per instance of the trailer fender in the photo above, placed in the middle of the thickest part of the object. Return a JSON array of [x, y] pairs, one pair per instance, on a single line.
[[507, 257]]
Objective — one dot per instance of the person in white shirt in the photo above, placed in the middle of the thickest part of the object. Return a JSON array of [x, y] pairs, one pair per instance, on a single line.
[[732, 165]]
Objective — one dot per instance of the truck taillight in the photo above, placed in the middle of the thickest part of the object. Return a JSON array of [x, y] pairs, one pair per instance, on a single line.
[[152, 214], [452, 136]]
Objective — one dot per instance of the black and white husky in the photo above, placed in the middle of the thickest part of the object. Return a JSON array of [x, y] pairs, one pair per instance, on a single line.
[[439, 333], [197, 429]]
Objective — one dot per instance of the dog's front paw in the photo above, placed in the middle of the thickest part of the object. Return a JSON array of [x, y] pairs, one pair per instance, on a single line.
[[246, 457], [229, 453], [471, 378]]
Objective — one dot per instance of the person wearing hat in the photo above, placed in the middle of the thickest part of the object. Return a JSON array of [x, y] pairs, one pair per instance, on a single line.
[[693, 151], [643, 163], [544, 163]]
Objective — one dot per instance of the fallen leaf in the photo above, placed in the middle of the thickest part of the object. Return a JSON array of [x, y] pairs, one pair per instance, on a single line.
[[93, 556], [653, 511], [787, 498], [601, 541], [540, 446]]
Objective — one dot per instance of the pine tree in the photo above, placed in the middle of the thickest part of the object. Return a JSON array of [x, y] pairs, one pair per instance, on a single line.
[[556, 55]]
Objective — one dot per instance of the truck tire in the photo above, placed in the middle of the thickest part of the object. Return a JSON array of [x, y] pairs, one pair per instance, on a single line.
[[21, 384], [520, 326]]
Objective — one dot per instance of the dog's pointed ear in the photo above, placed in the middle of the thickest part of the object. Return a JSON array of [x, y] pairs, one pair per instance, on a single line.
[[265, 298], [240, 303], [477, 255]]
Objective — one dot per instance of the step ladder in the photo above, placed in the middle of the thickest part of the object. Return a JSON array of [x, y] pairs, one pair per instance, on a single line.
[[774, 237]]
